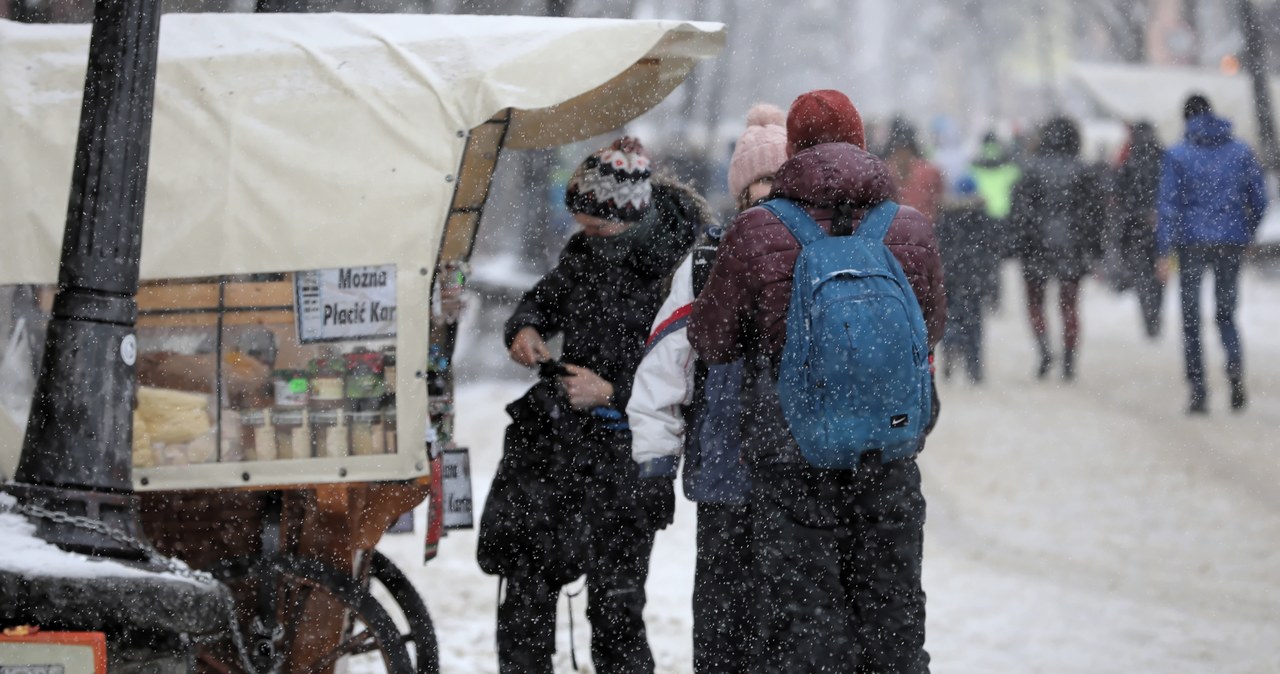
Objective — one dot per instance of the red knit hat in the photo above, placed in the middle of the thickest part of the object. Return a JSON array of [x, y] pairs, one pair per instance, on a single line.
[[824, 116]]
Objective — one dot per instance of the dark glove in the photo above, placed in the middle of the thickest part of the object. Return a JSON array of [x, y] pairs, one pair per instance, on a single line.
[[656, 499]]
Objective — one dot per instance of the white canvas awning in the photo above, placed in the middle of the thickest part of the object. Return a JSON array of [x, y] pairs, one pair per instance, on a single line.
[[286, 142], [317, 140]]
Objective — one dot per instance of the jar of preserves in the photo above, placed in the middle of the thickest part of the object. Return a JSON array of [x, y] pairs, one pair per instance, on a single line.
[[365, 429], [257, 438], [389, 429], [291, 433], [326, 384], [328, 433], [290, 388], [364, 375]]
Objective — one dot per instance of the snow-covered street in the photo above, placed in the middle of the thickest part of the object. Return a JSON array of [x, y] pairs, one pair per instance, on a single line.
[[1090, 527]]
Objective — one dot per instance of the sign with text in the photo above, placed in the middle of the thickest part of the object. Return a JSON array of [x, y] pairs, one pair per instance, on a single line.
[[346, 303], [456, 472]]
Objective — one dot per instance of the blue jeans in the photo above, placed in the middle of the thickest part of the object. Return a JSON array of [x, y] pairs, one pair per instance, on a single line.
[[1224, 261]]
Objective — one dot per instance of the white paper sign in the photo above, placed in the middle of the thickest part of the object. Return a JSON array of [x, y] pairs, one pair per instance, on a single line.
[[456, 481], [346, 303]]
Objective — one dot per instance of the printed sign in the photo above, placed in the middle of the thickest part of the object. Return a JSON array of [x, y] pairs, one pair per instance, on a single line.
[[346, 303], [456, 471]]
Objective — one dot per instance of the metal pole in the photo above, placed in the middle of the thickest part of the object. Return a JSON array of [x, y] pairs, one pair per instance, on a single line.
[[1255, 61], [77, 453]]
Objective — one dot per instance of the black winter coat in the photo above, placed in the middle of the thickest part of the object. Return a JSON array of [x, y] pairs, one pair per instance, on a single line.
[[1136, 186], [970, 245], [1057, 217], [605, 292]]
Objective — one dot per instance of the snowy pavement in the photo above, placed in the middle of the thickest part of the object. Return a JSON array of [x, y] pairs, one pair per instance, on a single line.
[[1089, 527]]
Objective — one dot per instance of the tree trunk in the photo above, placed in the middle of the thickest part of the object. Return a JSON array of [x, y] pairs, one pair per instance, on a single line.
[[1255, 60]]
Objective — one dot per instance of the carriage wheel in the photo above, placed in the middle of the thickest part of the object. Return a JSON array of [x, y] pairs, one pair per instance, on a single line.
[[301, 616], [421, 632]]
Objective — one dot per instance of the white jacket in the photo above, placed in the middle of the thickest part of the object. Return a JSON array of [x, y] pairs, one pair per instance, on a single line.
[[664, 382]]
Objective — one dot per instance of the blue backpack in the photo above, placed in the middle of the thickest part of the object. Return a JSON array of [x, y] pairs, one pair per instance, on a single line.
[[854, 376]]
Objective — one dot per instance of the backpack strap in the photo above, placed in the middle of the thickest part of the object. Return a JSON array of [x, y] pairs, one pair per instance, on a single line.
[[801, 224], [875, 224]]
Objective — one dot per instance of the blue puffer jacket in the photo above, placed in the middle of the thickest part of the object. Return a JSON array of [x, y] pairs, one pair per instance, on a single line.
[[1211, 189]]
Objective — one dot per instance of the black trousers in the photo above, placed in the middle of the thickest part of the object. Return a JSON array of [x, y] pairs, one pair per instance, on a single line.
[[838, 558], [962, 342], [618, 566], [723, 594]]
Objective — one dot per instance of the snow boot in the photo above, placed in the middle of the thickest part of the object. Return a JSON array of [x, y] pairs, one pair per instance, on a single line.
[[1069, 366], [1238, 398], [1199, 400], [1046, 359]]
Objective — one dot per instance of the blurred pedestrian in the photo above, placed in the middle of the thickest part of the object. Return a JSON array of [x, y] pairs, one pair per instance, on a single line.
[[969, 245], [837, 552], [918, 180], [1056, 214], [1212, 199], [1133, 215], [602, 296], [679, 403], [995, 172]]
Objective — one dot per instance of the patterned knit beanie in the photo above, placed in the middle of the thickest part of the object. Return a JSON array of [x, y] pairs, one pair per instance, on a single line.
[[613, 183], [760, 150]]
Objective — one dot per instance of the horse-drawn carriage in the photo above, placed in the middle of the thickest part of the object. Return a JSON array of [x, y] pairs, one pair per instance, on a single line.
[[315, 187]]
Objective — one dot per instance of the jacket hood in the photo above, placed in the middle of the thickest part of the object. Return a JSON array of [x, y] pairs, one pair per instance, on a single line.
[[832, 174], [1208, 130]]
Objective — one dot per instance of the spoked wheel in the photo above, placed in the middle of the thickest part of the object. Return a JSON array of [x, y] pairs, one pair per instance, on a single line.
[[422, 633], [301, 616]]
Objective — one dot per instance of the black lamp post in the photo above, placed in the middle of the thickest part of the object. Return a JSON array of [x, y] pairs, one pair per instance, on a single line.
[[77, 453]]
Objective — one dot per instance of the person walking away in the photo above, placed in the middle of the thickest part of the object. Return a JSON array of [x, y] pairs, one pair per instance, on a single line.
[[1212, 199], [919, 182], [995, 173], [681, 404], [1057, 216], [602, 296], [837, 551], [969, 246], [1134, 217]]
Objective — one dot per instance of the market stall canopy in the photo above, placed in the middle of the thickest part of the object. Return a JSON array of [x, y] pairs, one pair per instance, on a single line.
[[290, 142], [285, 141], [1156, 94]]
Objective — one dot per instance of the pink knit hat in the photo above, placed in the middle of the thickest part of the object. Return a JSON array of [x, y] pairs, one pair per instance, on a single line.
[[761, 149]]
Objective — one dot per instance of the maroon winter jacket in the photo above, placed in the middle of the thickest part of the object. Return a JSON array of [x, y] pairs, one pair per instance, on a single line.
[[747, 295]]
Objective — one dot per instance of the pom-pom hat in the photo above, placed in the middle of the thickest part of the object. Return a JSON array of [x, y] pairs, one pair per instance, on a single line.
[[824, 116], [612, 183], [761, 148]]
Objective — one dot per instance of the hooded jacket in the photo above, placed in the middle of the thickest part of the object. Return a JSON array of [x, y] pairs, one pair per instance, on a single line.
[[741, 312], [1211, 189], [746, 298], [996, 174], [605, 291], [1057, 214]]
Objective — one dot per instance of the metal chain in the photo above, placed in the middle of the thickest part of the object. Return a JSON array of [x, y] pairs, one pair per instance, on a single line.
[[154, 557]]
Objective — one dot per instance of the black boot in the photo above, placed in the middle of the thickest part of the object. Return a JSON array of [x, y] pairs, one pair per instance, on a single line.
[[1046, 360], [1199, 400], [1069, 366], [1238, 399]]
